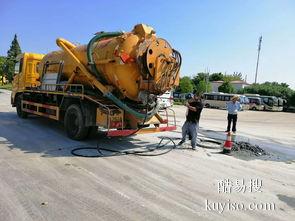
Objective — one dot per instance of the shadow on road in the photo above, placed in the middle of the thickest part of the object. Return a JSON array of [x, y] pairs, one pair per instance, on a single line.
[[48, 138]]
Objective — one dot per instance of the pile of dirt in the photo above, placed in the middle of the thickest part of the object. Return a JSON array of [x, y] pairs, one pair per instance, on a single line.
[[245, 146]]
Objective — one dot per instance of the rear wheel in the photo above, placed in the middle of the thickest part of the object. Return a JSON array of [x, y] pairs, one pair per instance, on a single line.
[[19, 109], [75, 124]]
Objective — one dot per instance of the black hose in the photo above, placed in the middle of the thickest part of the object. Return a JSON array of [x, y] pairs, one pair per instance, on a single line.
[[126, 152]]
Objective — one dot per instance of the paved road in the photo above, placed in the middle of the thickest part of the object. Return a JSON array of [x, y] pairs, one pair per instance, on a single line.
[[41, 180]]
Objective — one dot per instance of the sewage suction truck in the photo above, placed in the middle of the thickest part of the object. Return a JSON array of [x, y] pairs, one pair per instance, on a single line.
[[110, 84]]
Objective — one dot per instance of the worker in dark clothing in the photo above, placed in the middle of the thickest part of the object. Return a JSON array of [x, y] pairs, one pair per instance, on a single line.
[[191, 125]]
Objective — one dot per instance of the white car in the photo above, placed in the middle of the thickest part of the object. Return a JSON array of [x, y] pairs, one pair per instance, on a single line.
[[166, 99]]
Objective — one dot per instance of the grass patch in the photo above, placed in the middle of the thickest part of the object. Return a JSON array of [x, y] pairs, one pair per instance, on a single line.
[[6, 86]]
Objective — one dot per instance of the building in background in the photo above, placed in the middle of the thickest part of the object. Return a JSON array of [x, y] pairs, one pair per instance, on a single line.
[[238, 85]]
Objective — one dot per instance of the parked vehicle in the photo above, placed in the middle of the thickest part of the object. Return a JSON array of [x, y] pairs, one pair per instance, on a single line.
[[110, 84], [270, 103], [255, 103], [166, 100], [280, 104], [219, 100], [244, 102]]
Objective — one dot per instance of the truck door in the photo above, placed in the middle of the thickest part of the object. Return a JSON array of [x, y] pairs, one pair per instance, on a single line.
[[18, 81]]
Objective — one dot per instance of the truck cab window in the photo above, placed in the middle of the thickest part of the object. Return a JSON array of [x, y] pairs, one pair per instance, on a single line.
[[18, 66]]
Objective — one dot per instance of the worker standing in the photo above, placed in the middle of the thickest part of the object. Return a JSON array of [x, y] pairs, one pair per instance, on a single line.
[[233, 107], [191, 125]]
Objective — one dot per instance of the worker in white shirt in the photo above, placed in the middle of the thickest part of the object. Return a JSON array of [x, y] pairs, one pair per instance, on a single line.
[[233, 107]]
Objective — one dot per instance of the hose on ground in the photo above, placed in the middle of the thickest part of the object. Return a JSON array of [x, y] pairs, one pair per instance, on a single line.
[[113, 152], [147, 152]]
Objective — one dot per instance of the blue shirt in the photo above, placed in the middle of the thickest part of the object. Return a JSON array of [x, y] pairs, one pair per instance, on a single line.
[[233, 108]]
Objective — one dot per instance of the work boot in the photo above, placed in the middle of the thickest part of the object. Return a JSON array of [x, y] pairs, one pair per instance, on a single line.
[[180, 143], [194, 148]]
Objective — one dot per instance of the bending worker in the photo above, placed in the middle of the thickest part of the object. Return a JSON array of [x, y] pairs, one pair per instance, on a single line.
[[233, 107], [191, 125]]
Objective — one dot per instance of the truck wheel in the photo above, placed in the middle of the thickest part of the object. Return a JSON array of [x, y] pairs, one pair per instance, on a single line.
[[92, 131], [19, 109], [74, 123]]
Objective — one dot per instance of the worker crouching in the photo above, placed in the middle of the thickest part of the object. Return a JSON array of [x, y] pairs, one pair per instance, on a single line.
[[191, 125]]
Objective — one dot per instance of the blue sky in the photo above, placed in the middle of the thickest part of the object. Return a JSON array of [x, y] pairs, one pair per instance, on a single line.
[[218, 35]]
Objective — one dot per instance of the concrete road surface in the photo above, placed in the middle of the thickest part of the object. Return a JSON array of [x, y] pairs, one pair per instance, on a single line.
[[41, 180]]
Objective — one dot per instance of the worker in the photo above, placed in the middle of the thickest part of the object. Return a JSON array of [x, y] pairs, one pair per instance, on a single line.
[[233, 107], [191, 125]]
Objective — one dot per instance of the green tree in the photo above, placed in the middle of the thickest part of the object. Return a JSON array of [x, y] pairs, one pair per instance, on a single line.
[[11, 56], [203, 87], [2, 66], [233, 77], [199, 77], [200, 82], [291, 100], [186, 85], [270, 89], [216, 77], [226, 87]]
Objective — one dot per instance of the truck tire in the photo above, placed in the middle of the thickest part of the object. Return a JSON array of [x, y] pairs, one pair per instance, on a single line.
[[74, 123], [19, 108]]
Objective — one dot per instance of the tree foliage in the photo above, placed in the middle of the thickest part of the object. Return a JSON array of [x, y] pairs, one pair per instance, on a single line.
[[226, 77], [199, 77], [201, 83], [226, 87], [216, 77], [233, 77], [270, 89], [203, 87], [11, 56], [2, 66], [291, 99], [186, 85]]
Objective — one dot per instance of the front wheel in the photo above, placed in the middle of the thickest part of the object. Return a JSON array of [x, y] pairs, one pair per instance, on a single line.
[[19, 108], [74, 123]]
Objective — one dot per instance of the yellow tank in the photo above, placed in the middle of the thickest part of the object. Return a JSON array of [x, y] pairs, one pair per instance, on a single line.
[[131, 64]]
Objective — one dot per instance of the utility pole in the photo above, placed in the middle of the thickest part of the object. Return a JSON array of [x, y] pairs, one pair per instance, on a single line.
[[207, 78], [259, 48]]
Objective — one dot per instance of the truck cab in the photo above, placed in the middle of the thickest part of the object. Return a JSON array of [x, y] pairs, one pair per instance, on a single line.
[[25, 74]]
